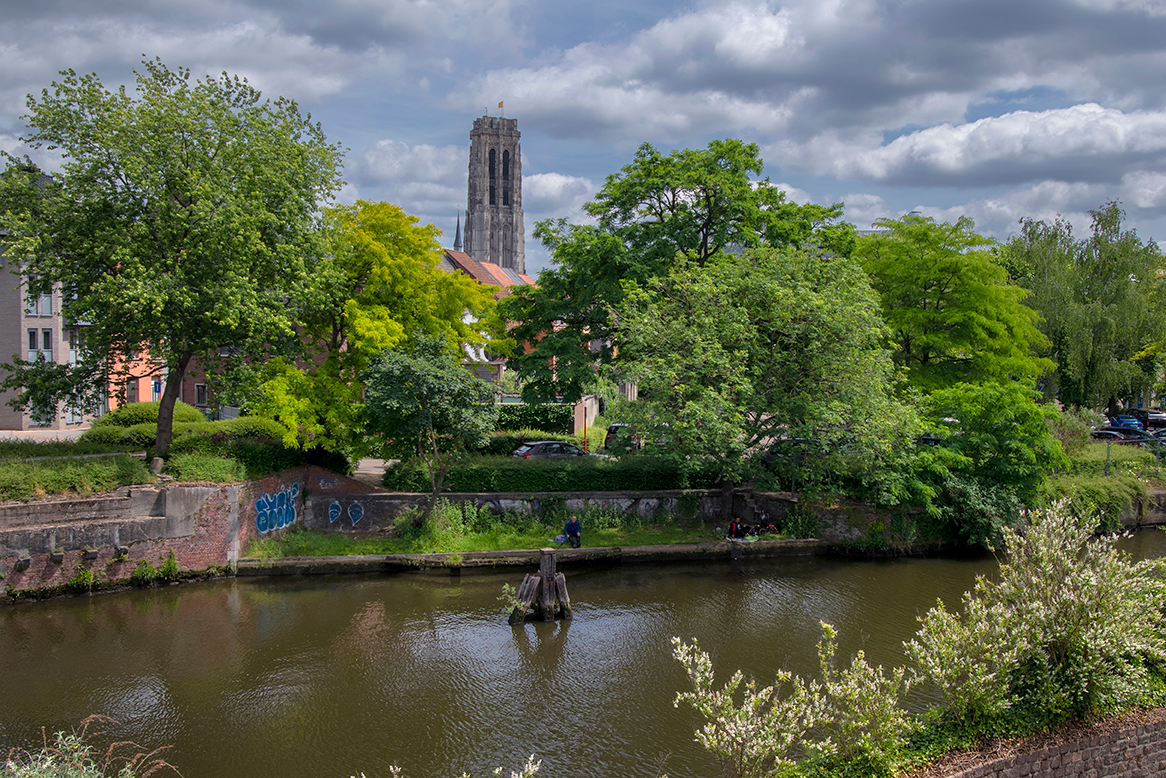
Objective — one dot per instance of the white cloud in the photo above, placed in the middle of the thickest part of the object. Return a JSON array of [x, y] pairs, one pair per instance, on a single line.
[[554, 195], [1080, 143]]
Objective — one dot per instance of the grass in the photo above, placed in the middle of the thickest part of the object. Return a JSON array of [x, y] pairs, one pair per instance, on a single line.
[[33, 480], [206, 467], [27, 449], [446, 531]]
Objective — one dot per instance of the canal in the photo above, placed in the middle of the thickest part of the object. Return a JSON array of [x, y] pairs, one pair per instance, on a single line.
[[328, 677]]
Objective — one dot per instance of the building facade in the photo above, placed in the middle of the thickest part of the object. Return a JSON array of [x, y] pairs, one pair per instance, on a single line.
[[494, 228]]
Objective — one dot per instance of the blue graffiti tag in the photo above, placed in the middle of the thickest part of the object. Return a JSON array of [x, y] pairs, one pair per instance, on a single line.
[[278, 511], [355, 512], [334, 511]]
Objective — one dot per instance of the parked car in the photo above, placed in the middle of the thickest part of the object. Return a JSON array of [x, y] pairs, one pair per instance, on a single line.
[[548, 449], [1125, 420], [1129, 432], [1110, 435], [1153, 418]]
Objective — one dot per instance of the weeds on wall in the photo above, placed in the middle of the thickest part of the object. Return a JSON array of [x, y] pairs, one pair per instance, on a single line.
[[75, 755]]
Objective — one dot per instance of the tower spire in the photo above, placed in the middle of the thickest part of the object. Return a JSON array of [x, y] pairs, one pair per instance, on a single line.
[[457, 237]]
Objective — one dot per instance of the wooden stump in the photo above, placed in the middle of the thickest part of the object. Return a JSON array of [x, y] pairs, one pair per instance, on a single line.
[[542, 592]]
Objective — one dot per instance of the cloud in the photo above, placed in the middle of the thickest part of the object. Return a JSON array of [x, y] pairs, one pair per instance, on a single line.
[[554, 195], [1086, 143]]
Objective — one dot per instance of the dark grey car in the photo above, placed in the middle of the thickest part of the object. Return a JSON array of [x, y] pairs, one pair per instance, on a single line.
[[548, 449]]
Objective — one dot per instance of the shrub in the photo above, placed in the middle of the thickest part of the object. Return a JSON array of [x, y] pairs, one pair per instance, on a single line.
[[109, 434], [141, 413], [1070, 627], [72, 755], [29, 480], [144, 573], [169, 571], [546, 417]]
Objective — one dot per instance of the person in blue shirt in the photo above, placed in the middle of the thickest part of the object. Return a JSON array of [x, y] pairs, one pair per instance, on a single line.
[[574, 532]]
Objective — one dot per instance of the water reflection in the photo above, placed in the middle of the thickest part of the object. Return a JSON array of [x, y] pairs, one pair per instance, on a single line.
[[334, 676]]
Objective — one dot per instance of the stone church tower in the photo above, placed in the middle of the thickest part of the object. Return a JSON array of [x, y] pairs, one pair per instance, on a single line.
[[494, 229]]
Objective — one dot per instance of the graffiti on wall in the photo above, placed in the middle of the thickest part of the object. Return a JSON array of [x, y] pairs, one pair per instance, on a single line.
[[276, 511], [355, 512]]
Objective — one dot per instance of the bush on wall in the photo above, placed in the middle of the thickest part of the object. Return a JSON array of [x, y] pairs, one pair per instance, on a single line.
[[584, 474], [140, 413]]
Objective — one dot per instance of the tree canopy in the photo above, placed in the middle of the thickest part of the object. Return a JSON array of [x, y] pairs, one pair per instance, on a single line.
[[751, 348], [380, 287], [183, 218], [1102, 303], [952, 311], [423, 400], [691, 204]]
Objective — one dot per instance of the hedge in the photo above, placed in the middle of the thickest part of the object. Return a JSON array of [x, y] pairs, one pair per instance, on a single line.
[[584, 474], [546, 417], [132, 414]]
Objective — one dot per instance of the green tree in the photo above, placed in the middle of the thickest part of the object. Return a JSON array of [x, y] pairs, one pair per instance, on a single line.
[[692, 203], [183, 218], [1102, 304], [770, 344], [999, 435], [380, 286], [425, 402], [952, 311]]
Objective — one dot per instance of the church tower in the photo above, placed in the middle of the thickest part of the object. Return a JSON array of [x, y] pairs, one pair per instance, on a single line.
[[494, 229]]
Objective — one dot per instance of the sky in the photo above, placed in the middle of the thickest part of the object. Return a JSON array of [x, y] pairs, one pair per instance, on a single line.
[[993, 109]]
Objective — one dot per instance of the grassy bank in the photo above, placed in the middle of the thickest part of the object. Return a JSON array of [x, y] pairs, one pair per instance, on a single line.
[[461, 528]]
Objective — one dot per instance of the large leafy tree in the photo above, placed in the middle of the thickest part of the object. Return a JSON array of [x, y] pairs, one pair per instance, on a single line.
[[183, 218], [953, 313], [1102, 305], [380, 287], [425, 402], [692, 204], [754, 347]]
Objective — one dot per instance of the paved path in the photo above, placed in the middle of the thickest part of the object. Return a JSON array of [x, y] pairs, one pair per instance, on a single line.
[[371, 471], [40, 436]]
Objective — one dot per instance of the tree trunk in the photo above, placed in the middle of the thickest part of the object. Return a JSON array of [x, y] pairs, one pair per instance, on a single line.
[[170, 392]]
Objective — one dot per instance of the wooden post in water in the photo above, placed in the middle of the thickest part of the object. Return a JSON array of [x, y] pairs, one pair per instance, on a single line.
[[542, 592]]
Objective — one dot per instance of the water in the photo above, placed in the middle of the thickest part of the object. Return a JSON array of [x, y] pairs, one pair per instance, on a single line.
[[332, 676]]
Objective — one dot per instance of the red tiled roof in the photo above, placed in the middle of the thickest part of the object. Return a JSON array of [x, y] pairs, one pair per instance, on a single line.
[[488, 272], [469, 266]]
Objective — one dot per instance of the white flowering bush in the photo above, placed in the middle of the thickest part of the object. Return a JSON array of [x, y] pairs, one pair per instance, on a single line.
[[852, 717], [1071, 626], [526, 771]]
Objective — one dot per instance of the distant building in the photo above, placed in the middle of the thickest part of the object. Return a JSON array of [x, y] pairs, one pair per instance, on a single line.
[[494, 228]]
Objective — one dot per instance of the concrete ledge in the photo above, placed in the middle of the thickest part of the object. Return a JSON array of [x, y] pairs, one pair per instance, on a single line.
[[565, 557]]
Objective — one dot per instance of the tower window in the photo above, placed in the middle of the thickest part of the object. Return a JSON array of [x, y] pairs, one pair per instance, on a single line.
[[506, 177], [493, 200]]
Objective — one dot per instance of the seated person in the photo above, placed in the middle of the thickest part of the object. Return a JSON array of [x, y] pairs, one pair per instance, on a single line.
[[574, 532]]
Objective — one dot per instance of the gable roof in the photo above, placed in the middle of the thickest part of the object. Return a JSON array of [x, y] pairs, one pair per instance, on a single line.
[[485, 272]]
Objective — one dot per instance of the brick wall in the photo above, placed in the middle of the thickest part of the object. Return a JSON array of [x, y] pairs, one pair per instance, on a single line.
[[204, 527], [1132, 750]]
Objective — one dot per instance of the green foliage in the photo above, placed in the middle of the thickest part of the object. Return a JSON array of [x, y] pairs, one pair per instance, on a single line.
[[144, 573], [538, 416], [169, 571], [852, 717], [74, 755], [975, 513], [1072, 427], [182, 218], [581, 474], [381, 285], [29, 449], [131, 414], [1102, 307], [999, 436], [953, 313], [692, 203], [1069, 628], [83, 581], [766, 345], [206, 467], [33, 480], [425, 402]]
